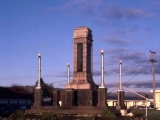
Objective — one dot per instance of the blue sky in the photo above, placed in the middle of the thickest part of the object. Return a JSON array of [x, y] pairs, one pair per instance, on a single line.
[[125, 29]]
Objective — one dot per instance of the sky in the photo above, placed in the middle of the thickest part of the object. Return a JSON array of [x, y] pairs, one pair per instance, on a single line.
[[125, 29]]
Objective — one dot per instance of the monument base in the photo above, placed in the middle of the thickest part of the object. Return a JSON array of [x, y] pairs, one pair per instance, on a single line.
[[81, 86], [68, 110], [55, 98], [69, 97], [87, 97], [121, 98], [37, 97], [83, 97], [102, 97]]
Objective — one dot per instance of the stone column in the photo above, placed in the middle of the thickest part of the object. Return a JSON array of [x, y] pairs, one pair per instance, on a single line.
[[121, 98], [102, 91], [63, 97], [55, 98], [102, 97], [37, 97], [38, 90], [120, 91]]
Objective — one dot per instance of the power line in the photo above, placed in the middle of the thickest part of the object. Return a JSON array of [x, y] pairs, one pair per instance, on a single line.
[[35, 77], [125, 67], [107, 71], [137, 73], [132, 76]]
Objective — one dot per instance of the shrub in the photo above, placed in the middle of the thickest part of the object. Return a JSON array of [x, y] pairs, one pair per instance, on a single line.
[[153, 115], [108, 114], [49, 116], [18, 115], [87, 118], [138, 113]]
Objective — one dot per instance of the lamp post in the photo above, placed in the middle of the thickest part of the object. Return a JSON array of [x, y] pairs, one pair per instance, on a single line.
[[120, 75], [120, 91], [102, 70], [68, 73], [39, 71]]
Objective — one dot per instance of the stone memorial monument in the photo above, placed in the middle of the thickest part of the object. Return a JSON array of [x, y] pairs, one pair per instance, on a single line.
[[83, 68], [81, 94], [82, 91]]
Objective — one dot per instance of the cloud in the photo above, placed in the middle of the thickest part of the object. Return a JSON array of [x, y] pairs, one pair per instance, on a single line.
[[110, 14], [136, 84], [134, 62], [120, 43], [116, 12], [134, 56], [96, 73], [101, 10], [116, 41], [132, 13], [116, 51], [137, 69], [143, 63], [112, 11], [124, 31], [147, 31], [133, 67], [79, 7], [156, 4]]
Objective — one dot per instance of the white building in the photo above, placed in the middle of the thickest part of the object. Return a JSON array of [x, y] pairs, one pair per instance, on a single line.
[[157, 98], [130, 103]]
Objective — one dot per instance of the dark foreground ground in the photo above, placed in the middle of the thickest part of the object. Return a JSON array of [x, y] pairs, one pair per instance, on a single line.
[[70, 118]]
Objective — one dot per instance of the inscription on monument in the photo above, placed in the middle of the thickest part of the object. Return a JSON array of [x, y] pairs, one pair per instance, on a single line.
[[80, 57]]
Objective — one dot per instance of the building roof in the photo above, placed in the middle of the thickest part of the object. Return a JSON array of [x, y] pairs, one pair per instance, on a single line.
[[157, 91]]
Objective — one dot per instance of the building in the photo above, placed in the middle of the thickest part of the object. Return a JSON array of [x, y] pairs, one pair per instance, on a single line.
[[157, 98], [130, 103]]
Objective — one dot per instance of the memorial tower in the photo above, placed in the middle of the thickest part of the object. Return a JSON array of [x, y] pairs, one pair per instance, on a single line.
[[83, 60]]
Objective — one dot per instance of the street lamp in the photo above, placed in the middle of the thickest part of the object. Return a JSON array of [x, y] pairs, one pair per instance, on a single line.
[[68, 72], [102, 70], [39, 71]]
